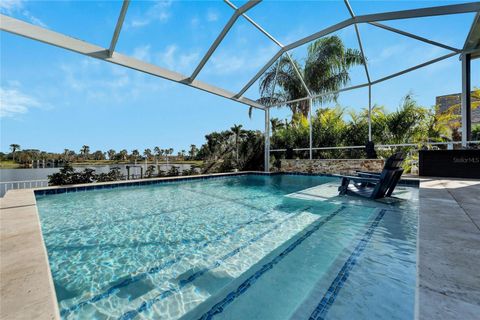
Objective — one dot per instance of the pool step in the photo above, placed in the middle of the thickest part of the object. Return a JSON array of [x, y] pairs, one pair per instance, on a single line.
[[301, 269], [204, 276]]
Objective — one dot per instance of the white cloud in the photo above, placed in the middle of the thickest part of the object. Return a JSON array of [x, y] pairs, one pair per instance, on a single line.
[[10, 5], [195, 21], [180, 62], [103, 83], [241, 61], [212, 15], [226, 63], [33, 19], [142, 53], [136, 23], [160, 12], [17, 6], [14, 102]]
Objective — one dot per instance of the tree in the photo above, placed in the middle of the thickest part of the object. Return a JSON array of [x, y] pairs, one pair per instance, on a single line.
[[158, 151], [66, 155], [123, 154], [406, 123], [98, 155], [135, 154], [238, 135], [193, 151], [325, 70], [111, 154], [276, 124], [14, 147], [85, 151], [147, 153]]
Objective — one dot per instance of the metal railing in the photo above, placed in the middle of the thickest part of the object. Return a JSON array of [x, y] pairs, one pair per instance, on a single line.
[[382, 146], [25, 184]]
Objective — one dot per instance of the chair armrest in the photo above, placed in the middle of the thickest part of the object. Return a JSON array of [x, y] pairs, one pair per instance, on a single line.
[[368, 172], [360, 179], [368, 175]]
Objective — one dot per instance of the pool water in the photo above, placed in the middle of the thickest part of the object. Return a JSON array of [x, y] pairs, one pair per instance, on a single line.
[[238, 247]]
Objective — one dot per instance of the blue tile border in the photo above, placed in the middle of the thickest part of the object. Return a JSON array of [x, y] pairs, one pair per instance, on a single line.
[[182, 283], [115, 288], [329, 297], [68, 189], [219, 307], [94, 186]]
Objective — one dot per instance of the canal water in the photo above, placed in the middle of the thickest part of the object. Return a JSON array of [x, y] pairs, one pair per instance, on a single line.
[[10, 175]]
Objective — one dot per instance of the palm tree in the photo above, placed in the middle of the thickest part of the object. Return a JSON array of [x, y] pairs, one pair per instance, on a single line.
[[14, 147], [238, 134], [66, 153], [71, 154], [325, 70], [147, 153], [276, 124], [84, 151], [135, 154], [123, 154], [111, 154], [193, 151], [157, 151]]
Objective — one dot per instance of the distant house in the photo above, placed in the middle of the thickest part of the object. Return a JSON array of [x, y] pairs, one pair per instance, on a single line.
[[449, 100]]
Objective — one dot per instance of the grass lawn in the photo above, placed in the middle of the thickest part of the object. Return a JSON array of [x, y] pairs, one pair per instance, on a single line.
[[8, 164]]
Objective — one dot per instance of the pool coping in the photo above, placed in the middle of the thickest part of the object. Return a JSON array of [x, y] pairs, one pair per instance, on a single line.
[[448, 249], [413, 182], [27, 289], [25, 269]]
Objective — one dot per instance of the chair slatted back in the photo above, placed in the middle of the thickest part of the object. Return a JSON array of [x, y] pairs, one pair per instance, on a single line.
[[387, 183], [394, 161]]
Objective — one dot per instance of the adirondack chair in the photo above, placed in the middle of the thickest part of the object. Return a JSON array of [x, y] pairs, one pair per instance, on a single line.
[[374, 185]]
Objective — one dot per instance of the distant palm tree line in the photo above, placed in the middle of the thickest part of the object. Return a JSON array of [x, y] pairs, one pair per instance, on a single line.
[[28, 155]]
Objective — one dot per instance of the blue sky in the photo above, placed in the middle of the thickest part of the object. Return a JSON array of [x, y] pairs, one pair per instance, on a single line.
[[53, 99]]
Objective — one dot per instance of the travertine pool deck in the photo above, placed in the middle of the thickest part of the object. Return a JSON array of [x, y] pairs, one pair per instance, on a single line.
[[27, 290], [448, 283]]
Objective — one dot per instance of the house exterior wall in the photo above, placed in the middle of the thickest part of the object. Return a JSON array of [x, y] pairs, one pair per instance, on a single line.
[[447, 101]]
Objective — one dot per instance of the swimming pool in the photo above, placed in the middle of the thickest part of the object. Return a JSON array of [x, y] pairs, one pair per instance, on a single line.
[[238, 247]]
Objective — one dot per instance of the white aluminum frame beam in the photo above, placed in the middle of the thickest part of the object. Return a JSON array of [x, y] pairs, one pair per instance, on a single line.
[[424, 64], [267, 141], [256, 25], [367, 74], [394, 15], [472, 43], [277, 104], [359, 40], [31, 31], [118, 27], [413, 36], [238, 12], [278, 43]]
